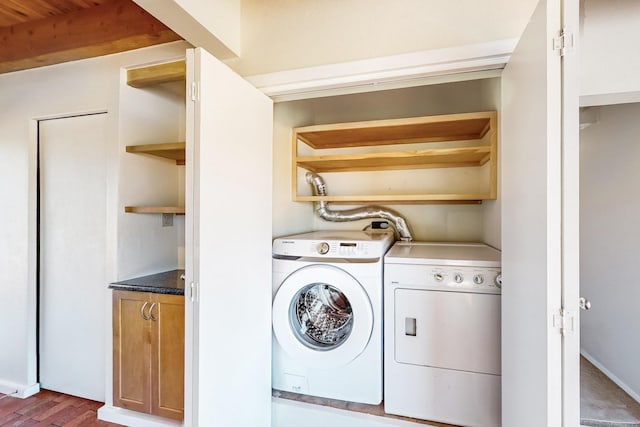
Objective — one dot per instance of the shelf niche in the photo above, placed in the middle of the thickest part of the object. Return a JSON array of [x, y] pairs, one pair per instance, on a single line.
[[157, 74], [367, 138], [174, 151]]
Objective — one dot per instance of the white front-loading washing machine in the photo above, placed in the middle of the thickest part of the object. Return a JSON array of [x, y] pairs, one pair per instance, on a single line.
[[327, 314], [442, 333]]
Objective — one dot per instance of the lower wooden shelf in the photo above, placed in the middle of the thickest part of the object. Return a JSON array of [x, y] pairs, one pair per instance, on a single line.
[[178, 210], [446, 199]]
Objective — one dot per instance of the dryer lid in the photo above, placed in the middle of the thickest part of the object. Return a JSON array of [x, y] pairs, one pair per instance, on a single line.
[[460, 254]]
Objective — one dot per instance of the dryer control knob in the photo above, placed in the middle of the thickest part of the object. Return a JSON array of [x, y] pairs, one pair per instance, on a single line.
[[478, 279], [323, 248], [499, 281], [439, 277], [458, 278]]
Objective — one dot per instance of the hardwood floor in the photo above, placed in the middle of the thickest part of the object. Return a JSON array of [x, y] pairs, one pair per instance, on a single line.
[[377, 410], [49, 408]]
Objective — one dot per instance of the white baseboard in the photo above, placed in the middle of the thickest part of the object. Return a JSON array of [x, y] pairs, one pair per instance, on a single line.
[[132, 418], [19, 390], [634, 395], [290, 413]]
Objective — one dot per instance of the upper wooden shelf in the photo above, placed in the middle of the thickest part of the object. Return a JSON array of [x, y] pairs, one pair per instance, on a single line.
[[467, 140], [452, 127], [174, 151], [157, 74]]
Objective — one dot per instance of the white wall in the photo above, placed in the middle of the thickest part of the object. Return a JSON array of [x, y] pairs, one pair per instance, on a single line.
[[609, 234], [73, 87], [609, 63], [428, 222], [287, 34]]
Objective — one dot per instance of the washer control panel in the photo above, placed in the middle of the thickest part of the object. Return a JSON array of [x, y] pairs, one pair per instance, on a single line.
[[326, 245], [341, 249]]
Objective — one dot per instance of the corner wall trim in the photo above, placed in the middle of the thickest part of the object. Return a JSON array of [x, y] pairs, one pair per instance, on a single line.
[[404, 70]]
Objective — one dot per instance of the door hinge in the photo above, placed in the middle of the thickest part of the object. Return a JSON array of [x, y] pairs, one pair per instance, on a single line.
[[193, 291], [564, 321], [195, 91], [563, 43]]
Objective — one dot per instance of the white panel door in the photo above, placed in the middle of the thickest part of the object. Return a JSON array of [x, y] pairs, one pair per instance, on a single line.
[[72, 255], [540, 236], [531, 221], [571, 216], [228, 232]]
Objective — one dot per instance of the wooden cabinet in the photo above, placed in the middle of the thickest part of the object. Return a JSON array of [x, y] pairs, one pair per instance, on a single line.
[[148, 353], [466, 141]]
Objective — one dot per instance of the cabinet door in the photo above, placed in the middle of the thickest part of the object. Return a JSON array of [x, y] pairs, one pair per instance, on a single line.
[[228, 247], [131, 351], [539, 216], [167, 356]]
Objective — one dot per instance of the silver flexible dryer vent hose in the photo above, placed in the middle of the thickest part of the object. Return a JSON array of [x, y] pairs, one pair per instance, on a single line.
[[355, 214]]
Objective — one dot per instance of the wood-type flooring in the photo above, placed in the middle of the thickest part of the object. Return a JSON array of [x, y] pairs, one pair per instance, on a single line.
[[377, 410], [49, 408]]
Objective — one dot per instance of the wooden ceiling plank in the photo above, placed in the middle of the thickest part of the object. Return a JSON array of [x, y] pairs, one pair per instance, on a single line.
[[19, 11], [111, 27], [71, 5], [13, 12]]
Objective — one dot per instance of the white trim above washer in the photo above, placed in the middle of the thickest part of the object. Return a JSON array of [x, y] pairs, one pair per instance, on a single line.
[[362, 328], [481, 60]]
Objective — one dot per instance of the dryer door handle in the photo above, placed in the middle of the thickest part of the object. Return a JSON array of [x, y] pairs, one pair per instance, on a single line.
[[410, 326]]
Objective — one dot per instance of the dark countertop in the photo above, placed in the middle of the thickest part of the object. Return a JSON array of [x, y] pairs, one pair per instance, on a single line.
[[168, 282]]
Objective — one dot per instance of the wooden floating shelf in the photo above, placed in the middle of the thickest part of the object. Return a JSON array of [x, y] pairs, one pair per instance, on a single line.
[[178, 210], [451, 131], [451, 199], [453, 127], [157, 74], [174, 151], [421, 159]]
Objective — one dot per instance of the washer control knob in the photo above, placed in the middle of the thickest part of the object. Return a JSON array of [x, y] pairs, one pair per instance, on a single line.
[[458, 278], [323, 248], [439, 277], [499, 281], [478, 279]]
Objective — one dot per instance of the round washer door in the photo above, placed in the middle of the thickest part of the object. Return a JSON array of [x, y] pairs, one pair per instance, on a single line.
[[321, 314]]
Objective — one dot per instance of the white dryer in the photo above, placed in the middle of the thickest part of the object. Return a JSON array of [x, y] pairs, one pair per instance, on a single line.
[[327, 314], [442, 333]]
